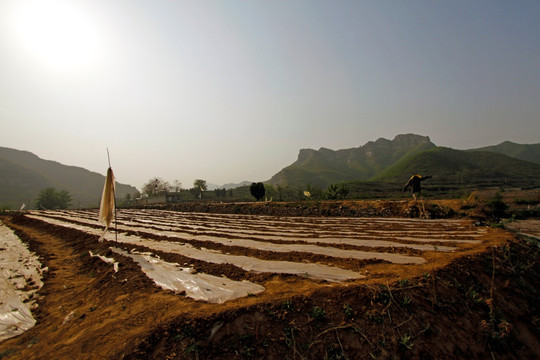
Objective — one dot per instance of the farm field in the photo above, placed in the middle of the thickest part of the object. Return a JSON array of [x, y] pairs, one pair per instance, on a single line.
[[170, 284]]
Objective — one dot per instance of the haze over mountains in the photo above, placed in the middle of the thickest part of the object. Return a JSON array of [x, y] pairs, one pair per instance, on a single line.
[[23, 175]]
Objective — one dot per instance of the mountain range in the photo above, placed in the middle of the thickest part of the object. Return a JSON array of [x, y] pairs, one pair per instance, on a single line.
[[23, 175], [407, 154], [529, 153]]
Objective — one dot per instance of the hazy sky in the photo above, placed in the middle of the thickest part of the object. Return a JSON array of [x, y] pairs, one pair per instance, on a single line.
[[228, 91]]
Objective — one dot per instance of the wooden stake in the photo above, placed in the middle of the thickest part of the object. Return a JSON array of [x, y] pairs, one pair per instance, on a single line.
[[114, 199]]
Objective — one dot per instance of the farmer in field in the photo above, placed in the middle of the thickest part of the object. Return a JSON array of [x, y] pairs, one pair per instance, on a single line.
[[414, 182]]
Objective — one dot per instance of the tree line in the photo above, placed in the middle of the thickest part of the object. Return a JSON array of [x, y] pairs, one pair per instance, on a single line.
[[299, 193], [50, 198], [157, 186]]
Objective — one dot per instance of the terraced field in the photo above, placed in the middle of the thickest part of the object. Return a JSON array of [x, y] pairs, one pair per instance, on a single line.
[[166, 284], [331, 249]]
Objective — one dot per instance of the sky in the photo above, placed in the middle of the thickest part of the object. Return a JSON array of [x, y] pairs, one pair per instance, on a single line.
[[230, 91]]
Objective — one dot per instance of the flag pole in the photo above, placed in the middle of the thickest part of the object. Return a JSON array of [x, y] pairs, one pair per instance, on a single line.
[[114, 200], [115, 221]]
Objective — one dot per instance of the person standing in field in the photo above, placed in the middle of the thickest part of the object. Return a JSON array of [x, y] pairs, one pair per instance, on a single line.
[[414, 182]]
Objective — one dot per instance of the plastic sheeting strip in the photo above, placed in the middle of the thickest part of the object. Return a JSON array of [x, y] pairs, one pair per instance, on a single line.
[[19, 269], [171, 276], [106, 259]]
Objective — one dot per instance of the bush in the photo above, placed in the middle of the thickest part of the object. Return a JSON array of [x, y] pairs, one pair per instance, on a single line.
[[497, 206], [49, 198]]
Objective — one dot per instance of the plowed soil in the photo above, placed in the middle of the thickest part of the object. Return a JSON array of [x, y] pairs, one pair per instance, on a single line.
[[479, 301]]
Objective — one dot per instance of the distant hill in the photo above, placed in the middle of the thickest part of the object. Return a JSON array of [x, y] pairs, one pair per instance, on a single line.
[[396, 160], [211, 186], [527, 152], [24, 175], [228, 185], [324, 167], [457, 166], [234, 186]]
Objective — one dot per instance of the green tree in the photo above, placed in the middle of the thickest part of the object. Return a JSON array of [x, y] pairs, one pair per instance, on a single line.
[[270, 191], [337, 192], [220, 192], [315, 191], [199, 186], [156, 186], [288, 193], [49, 198], [498, 206], [343, 191], [280, 192], [257, 190], [332, 192]]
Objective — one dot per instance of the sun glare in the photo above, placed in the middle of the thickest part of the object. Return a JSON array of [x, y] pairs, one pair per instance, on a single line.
[[56, 33]]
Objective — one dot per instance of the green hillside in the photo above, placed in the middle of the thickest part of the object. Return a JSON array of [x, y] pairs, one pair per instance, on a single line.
[[385, 165], [456, 166], [324, 167], [18, 184], [24, 175], [527, 152]]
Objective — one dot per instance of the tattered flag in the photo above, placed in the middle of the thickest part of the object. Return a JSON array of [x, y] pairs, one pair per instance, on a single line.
[[106, 209]]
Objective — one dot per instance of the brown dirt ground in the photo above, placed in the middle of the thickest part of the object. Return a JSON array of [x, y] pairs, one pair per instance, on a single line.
[[481, 304]]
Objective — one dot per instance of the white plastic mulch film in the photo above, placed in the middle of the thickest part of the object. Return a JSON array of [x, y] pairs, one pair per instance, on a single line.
[[171, 276], [111, 261], [368, 238], [20, 279], [192, 235]]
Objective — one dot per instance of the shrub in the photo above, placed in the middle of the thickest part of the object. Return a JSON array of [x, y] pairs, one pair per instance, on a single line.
[[497, 206]]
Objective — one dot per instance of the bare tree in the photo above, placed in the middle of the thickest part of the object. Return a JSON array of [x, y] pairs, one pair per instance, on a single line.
[[177, 185]]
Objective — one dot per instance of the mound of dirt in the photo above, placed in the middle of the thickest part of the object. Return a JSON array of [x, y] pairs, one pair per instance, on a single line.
[[480, 302], [348, 208]]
